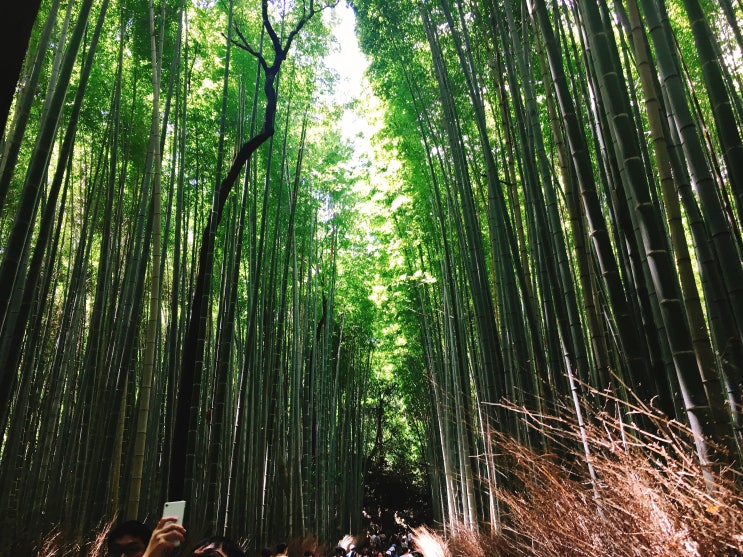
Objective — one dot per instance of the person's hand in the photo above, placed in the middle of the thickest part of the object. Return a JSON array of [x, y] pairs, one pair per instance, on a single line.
[[166, 535]]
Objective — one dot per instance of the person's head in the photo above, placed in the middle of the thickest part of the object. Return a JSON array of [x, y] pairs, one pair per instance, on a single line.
[[128, 539], [266, 552], [218, 546], [281, 548]]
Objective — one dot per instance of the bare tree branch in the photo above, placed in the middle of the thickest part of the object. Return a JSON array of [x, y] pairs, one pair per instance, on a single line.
[[244, 45], [275, 41], [280, 50]]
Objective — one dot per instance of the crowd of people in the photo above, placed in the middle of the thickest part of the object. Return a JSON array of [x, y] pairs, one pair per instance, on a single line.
[[378, 544], [134, 539]]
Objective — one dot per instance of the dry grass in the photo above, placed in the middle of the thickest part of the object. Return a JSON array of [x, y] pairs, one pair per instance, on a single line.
[[647, 494], [58, 543]]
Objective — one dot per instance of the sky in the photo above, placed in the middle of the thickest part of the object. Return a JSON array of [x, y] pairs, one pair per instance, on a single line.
[[349, 62]]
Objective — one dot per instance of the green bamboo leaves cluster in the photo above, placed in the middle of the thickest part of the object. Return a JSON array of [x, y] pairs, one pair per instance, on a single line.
[[571, 174]]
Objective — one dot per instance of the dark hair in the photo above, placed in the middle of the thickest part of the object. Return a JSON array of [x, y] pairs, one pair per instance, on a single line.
[[281, 547], [225, 544], [266, 552], [133, 528]]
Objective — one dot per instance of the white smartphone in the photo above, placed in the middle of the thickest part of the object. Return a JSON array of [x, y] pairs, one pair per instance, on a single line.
[[176, 509]]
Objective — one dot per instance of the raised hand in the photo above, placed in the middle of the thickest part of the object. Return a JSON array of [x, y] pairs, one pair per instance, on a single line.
[[167, 535]]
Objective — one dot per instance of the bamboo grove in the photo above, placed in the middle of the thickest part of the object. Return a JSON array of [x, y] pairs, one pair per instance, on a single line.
[[206, 294], [170, 328], [571, 173]]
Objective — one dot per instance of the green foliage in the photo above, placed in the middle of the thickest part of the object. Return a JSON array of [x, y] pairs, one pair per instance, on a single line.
[[385, 292]]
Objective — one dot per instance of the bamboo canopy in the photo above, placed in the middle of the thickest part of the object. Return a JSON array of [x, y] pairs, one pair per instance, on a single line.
[[217, 286]]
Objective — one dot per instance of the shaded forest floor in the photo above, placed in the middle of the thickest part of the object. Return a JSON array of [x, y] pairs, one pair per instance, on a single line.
[[599, 487]]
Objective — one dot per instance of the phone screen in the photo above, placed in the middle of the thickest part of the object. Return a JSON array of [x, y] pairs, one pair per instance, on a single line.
[[176, 509]]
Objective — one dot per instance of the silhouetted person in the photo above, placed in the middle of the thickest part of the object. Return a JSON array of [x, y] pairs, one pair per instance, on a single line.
[[218, 546], [128, 539]]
